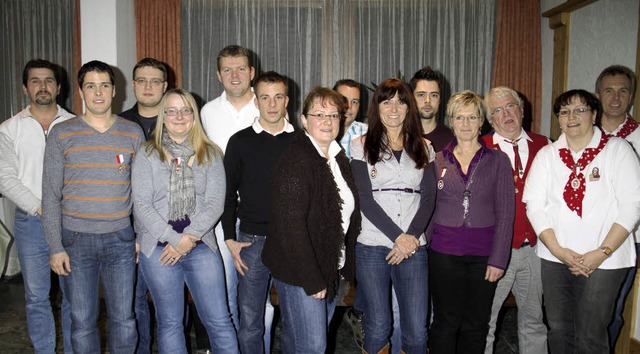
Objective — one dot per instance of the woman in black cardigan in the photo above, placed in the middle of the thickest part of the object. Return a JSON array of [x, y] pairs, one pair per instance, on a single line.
[[315, 218]]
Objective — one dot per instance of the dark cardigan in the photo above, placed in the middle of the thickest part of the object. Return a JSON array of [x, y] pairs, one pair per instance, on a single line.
[[305, 234]]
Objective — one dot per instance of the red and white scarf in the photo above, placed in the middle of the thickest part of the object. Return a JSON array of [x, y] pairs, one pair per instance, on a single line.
[[628, 127], [576, 186]]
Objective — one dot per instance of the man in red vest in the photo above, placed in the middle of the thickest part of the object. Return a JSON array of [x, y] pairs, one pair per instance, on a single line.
[[522, 277]]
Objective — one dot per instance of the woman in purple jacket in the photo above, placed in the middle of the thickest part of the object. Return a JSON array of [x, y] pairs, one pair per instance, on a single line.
[[470, 231]]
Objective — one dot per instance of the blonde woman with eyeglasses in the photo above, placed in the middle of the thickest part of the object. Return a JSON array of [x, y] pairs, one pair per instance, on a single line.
[[178, 186]]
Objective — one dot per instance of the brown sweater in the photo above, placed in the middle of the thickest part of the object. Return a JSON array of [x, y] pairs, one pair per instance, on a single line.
[[305, 233]]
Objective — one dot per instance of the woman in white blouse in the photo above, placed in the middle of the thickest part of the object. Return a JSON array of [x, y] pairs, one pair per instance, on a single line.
[[583, 198]]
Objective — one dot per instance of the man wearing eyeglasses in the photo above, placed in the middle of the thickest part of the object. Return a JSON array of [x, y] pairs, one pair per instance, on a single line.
[[522, 276], [615, 87], [149, 84]]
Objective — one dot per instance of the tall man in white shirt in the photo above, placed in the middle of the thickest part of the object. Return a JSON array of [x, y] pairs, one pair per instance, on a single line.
[[22, 142], [522, 277], [615, 88], [222, 117]]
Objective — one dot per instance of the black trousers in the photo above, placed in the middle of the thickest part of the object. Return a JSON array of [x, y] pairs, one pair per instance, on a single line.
[[462, 302]]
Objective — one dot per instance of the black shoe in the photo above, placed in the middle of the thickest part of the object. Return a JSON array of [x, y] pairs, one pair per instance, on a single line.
[[354, 319], [13, 279]]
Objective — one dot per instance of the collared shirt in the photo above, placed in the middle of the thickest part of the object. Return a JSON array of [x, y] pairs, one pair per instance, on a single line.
[[355, 130], [287, 128], [633, 138], [528, 144], [22, 143], [348, 199], [507, 147], [612, 196], [220, 119]]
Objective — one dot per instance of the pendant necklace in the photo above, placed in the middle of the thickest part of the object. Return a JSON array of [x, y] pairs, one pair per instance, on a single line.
[[466, 195]]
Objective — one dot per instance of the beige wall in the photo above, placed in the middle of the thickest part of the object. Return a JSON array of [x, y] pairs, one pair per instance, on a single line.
[[602, 34]]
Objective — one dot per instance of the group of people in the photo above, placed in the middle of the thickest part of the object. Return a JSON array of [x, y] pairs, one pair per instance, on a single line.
[[232, 198]]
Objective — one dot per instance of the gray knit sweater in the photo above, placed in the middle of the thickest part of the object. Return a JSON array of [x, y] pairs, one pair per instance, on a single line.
[[86, 184], [150, 179]]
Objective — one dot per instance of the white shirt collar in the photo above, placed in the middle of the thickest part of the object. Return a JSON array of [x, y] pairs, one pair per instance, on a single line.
[[593, 143], [497, 138], [287, 128], [619, 126], [334, 147], [223, 96]]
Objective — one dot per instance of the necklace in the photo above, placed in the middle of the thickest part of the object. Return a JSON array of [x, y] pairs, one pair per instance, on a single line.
[[466, 194]]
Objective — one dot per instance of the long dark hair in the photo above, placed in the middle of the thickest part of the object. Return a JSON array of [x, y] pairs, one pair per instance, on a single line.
[[376, 145]]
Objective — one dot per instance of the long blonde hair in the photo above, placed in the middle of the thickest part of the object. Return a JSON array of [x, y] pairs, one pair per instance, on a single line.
[[205, 149]]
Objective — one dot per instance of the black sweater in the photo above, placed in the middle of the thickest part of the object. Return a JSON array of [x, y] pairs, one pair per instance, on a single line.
[[248, 162], [305, 230]]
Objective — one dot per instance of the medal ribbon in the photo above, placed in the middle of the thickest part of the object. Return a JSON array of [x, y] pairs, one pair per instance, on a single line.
[[628, 127], [574, 194]]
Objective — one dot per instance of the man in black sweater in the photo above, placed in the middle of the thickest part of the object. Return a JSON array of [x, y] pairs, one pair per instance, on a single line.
[[251, 155]]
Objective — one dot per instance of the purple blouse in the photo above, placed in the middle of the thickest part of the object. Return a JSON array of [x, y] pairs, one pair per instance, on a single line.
[[487, 227]]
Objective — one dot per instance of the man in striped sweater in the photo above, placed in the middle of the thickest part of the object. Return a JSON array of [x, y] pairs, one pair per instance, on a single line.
[[86, 209]]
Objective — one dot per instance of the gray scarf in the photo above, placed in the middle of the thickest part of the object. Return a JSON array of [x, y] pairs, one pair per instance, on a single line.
[[181, 191]]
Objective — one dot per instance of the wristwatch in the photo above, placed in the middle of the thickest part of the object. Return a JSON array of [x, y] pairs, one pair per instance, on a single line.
[[606, 250]]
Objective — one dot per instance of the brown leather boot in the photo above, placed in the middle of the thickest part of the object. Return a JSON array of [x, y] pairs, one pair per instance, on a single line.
[[384, 350]]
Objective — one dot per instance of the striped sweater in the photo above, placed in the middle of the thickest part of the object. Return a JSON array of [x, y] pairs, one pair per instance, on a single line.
[[86, 184]]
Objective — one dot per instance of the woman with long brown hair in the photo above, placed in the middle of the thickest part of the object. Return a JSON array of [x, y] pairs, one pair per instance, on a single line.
[[396, 184]]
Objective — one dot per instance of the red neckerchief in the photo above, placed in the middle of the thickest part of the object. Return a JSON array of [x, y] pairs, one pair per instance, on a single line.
[[628, 127], [575, 187]]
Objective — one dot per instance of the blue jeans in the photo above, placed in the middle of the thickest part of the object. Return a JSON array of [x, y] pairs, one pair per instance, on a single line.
[[410, 280], [396, 331], [202, 271], [110, 258], [143, 320], [33, 255], [579, 309], [305, 320], [253, 294], [616, 325]]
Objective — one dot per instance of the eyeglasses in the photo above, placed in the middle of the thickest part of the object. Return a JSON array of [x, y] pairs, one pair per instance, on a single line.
[[510, 107], [324, 117], [173, 112], [154, 82], [576, 112], [471, 118]]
